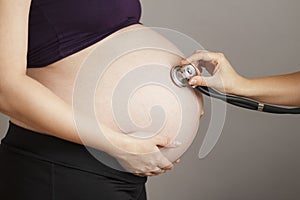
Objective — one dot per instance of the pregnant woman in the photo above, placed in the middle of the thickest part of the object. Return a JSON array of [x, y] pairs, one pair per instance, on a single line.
[[43, 44]]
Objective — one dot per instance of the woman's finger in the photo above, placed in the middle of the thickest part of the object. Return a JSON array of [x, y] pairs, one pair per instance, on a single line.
[[154, 173], [160, 171], [169, 167], [162, 140]]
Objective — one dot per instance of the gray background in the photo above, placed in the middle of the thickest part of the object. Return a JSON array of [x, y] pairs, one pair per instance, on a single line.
[[257, 156]]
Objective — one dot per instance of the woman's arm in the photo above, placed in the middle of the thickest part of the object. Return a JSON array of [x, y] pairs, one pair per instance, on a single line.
[[22, 97], [280, 90], [30, 102]]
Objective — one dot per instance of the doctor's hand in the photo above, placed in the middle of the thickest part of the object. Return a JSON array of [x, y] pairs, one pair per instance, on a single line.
[[223, 77]]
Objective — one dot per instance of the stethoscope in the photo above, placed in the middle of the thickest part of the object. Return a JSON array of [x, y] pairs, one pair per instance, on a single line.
[[181, 74]]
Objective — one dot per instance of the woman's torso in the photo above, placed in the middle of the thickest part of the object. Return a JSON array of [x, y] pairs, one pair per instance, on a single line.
[[60, 76]]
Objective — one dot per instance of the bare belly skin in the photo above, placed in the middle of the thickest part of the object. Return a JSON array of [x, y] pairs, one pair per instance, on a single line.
[[60, 78]]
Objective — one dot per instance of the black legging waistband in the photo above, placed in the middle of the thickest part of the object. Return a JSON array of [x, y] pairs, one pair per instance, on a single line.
[[55, 150]]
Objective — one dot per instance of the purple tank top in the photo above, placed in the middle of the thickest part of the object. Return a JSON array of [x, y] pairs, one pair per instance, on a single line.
[[59, 28]]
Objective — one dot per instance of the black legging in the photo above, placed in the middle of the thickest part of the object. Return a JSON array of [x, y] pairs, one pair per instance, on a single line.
[[40, 167]]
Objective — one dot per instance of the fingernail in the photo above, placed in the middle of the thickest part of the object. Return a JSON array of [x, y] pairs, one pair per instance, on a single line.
[[177, 143], [174, 144], [182, 63]]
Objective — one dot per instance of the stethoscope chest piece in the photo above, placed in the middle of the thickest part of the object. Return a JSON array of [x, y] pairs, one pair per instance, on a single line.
[[181, 74]]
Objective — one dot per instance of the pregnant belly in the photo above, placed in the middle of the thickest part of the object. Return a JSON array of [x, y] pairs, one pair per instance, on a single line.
[[135, 94]]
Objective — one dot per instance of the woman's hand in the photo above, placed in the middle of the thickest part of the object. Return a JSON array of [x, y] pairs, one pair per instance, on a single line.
[[141, 157], [223, 77]]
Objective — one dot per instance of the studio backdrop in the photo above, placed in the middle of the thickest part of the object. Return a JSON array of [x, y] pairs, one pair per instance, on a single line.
[[258, 155]]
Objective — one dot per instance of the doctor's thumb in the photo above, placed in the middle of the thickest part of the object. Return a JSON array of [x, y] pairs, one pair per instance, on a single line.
[[202, 81]]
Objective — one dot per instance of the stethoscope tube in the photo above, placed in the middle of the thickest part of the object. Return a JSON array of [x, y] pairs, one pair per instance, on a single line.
[[181, 74], [246, 103]]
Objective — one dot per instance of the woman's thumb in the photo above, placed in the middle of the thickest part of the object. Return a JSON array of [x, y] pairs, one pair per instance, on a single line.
[[162, 140]]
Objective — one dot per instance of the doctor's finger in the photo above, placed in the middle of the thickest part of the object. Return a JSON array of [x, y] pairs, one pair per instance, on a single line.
[[212, 57]]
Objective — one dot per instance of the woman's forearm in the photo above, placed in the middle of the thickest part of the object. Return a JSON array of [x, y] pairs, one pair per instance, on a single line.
[[28, 101], [280, 90]]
